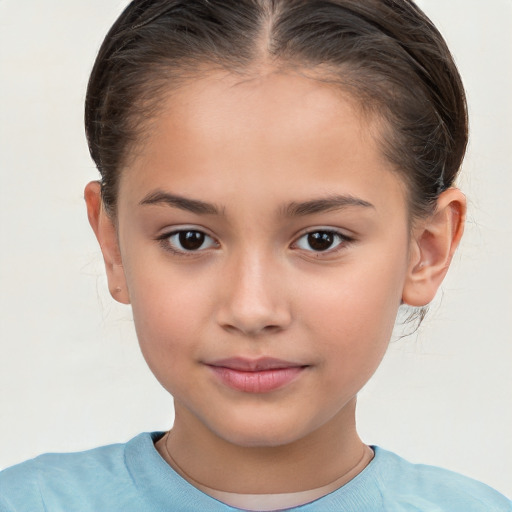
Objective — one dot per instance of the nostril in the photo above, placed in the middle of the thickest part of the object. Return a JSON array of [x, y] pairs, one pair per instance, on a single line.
[[231, 328], [254, 332], [271, 328]]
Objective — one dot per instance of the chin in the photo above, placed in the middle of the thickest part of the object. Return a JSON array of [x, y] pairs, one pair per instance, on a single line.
[[262, 434]]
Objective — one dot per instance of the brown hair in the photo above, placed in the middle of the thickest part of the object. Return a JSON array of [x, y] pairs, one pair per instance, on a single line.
[[385, 52]]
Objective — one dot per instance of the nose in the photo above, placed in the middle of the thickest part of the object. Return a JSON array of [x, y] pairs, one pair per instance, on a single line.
[[253, 300]]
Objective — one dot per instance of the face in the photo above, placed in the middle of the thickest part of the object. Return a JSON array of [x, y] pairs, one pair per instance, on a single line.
[[265, 245]]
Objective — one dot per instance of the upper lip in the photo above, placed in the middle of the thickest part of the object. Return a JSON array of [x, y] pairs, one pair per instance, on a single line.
[[254, 365]]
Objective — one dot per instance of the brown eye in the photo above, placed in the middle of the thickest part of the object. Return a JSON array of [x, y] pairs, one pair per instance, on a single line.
[[188, 240], [321, 241], [191, 240]]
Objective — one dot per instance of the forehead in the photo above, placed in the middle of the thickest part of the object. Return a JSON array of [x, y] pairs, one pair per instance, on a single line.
[[275, 109], [224, 132]]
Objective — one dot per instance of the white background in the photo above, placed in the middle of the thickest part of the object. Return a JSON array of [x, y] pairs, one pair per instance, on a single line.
[[71, 376]]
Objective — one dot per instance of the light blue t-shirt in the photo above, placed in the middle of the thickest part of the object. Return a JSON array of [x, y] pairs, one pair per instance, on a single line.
[[132, 477]]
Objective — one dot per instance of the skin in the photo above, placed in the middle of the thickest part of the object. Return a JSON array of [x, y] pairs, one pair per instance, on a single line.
[[253, 150]]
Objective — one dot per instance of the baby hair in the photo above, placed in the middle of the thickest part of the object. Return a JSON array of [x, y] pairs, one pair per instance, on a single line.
[[384, 53]]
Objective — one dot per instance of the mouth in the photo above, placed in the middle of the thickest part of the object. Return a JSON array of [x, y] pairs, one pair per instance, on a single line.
[[261, 375]]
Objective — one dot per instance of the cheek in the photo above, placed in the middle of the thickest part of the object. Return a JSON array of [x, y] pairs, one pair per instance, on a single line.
[[354, 297], [165, 298], [168, 315], [352, 312]]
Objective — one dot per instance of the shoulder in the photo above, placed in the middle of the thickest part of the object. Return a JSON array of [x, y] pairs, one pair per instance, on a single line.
[[432, 488], [65, 481], [129, 477]]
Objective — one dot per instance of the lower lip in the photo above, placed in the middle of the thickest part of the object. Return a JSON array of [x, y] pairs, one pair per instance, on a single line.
[[263, 381]]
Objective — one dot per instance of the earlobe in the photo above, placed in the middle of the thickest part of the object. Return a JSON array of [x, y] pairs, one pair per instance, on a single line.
[[432, 247], [105, 230]]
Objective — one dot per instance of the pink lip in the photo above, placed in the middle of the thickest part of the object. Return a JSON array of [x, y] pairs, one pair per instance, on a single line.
[[256, 375]]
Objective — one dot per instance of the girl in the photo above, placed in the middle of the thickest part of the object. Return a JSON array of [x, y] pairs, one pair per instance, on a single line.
[[277, 179]]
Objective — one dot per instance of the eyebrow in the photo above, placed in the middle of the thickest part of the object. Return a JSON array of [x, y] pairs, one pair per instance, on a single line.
[[183, 203], [336, 202], [293, 209]]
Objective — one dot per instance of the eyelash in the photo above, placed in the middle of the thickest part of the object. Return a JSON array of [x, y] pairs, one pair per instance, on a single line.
[[165, 241], [342, 239]]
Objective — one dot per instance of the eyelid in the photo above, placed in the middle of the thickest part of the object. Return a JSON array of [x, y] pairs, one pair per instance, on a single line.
[[178, 228], [166, 234], [344, 238]]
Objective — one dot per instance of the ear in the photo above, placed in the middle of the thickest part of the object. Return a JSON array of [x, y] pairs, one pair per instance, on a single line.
[[433, 243], [105, 230]]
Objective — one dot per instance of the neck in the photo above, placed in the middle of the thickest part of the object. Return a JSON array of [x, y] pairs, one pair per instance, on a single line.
[[318, 459]]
